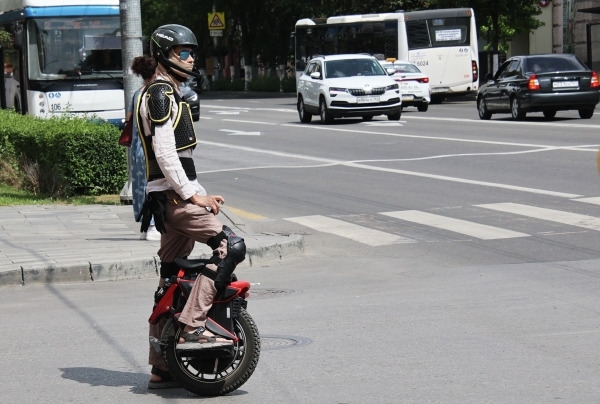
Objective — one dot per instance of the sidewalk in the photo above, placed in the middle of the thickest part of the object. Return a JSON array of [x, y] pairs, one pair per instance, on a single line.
[[62, 243]]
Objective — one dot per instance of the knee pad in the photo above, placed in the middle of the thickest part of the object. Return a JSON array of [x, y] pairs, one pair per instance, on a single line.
[[236, 247], [236, 253]]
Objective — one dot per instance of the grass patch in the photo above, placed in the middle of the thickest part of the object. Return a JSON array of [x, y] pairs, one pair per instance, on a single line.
[[12, 196]]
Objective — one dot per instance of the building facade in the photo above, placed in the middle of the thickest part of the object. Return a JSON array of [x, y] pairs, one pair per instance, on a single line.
[[565, 30]]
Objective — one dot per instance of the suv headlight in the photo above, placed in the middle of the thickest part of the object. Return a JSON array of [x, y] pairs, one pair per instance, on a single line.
[[333, 91], [193, 97], [392, 87]]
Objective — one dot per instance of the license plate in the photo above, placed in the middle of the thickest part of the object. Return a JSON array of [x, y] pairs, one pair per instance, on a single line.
[[439, 89], [367, 100], [408, 97], [563, 84]]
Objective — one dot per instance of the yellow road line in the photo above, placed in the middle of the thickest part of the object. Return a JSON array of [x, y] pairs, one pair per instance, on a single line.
[[246, 215]]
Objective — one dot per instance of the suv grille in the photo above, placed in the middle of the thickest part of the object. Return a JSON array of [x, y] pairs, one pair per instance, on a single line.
[[357, 91]]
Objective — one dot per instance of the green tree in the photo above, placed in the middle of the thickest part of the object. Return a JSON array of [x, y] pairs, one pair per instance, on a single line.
[[499, 20]]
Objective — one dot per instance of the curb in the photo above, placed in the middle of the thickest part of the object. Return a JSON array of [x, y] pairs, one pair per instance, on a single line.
[[258, 252]]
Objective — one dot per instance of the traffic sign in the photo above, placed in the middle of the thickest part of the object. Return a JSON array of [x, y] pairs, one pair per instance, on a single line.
[[216, 20]]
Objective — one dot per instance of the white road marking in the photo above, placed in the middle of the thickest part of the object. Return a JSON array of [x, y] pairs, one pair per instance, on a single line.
[[472, 229], [451, 139], [352, 231], [573, 219], [411, 116], [595, 200], [227, 112], [203, 117], [239, 120], [383, 123], [553, 124], [391, 170], [233, 132]]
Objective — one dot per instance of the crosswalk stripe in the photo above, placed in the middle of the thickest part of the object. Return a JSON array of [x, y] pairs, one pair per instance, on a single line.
[[352, 231], [573, 219], [595, 200], [472, 229]]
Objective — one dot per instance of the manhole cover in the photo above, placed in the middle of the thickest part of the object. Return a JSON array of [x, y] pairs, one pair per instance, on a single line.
[[271, 342], [265, 293]]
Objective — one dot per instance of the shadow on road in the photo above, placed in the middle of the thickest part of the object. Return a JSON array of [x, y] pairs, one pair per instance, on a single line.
[[137, 382]]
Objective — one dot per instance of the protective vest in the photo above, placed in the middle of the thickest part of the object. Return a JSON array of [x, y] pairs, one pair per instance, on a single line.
[[159, 94]]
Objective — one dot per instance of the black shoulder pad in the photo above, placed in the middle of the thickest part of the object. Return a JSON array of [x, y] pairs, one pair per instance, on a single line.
[[159, 102]]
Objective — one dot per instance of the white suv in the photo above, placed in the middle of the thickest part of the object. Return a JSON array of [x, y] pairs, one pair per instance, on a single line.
[[347, 85]]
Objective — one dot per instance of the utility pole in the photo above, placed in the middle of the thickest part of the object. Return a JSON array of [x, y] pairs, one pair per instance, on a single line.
[[132, 46]]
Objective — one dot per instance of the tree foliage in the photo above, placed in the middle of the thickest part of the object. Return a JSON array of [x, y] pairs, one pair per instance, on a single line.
[[261, 28]]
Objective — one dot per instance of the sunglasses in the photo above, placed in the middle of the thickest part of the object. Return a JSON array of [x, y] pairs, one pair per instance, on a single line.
[[185, 54]]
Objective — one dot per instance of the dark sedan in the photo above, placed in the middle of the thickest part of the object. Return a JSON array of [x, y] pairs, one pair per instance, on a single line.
[[540, 83]]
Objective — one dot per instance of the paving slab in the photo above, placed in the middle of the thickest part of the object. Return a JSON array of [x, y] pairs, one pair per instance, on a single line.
[[90, 243]]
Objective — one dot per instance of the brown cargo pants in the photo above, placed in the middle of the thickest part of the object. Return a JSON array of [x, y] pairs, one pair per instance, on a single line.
[[187, 223]]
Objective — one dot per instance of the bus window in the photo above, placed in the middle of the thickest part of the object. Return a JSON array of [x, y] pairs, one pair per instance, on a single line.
[[438, 33]]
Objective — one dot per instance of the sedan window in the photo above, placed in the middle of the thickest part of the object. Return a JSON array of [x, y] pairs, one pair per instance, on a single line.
[[552, 64]]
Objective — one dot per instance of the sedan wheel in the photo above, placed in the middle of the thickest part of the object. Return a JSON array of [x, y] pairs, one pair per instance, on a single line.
[[483, 111], [305, 117], [586, 113], [549, 114], [515, 109], [326, 117]]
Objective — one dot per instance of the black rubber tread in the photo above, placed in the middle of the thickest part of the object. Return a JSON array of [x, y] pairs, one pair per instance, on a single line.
[[520, 114], [423, 107], [395, 116], [305, 117], [236, 379], [326, 117], [483, 115], [586, 113]]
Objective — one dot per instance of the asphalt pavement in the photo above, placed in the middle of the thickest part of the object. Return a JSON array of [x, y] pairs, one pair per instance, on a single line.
[[67, 243]]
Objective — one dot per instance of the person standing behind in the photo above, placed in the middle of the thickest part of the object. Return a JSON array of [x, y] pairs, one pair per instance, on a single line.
[[145, 67]]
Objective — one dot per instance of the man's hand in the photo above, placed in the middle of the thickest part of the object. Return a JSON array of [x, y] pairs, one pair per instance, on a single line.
[[213, 202]]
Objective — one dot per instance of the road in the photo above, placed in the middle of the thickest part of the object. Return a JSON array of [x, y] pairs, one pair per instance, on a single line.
[[447, 260]]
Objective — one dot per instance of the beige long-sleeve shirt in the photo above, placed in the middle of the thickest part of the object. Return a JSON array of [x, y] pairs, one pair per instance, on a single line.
[[167, 156]]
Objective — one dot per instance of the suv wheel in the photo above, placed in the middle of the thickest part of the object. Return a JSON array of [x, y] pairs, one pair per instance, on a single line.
[[422, 107], [305, 117], [549, 113], [326, 117], [395, 116], [367, 118]]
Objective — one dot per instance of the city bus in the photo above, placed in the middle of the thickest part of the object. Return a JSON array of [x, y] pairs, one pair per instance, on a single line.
[[63, 57], [442, 43]]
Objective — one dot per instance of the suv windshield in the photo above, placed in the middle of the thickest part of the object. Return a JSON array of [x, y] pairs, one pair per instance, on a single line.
[[353, 67]]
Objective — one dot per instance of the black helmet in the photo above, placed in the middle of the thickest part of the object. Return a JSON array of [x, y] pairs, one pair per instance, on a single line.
[[164, 38]]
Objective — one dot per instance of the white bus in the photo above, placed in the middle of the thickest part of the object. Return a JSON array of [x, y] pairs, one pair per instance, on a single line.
[[442, 43], [65, 57]]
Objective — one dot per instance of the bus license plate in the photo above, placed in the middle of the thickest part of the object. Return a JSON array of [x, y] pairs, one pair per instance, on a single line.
[[563, 84], [408, 97], [367, 100]]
